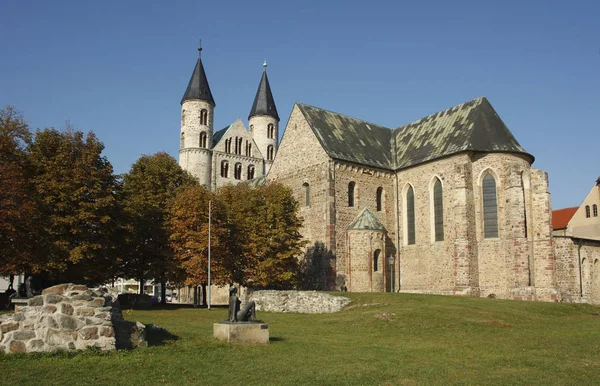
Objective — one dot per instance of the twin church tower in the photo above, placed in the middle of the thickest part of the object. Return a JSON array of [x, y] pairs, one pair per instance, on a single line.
[[232, 154]]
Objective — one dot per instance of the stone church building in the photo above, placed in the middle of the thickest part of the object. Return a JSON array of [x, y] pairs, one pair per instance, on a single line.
[[232, 154], [447, 204]]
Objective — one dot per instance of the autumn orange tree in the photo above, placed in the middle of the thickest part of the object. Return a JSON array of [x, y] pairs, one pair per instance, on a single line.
[[189, 229], [148, 190], [76, 204], [17, 210]]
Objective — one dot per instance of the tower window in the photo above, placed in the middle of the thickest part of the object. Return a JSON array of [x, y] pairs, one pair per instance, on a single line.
[[410, 216], [379, 198], [183, 118], [376, 260], [490, 207], [182, 141], [306, 187], [248, 149], [237, 171], [202, 140], [587, 211], [224, 169], [270, 152], [238, 146], [351, 187], [595, 210], [438, 211], [271, 131], [203, 117], [250, 172], [228, 145]]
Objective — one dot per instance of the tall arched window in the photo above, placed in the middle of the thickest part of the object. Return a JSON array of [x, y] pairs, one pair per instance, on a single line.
[[438, 210], [306, 187], [351, 187], [251, 129], [237, 171], [587, 211], [271, 131], [270, 153], [410, 216], [203, 117], [228, 145], [490, 207], [224, 169], [250, 172], [379, 199], [202, 140], [376, 255], [239, 146], [182, 140], [595, 210], [183, 118]]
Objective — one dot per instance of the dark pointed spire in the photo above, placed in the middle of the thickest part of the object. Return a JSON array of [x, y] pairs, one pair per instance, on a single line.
[[264, 104], [198, 87]]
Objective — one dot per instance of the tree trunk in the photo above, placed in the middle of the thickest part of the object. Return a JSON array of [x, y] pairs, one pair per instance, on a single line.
[[163, 291], [142, 286], [204, 294]]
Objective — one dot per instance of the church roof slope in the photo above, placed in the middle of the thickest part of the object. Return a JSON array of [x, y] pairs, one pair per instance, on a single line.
[[471, 126], [348, 138], [366, 221], [198, 87], [264, 103], [219, 134]]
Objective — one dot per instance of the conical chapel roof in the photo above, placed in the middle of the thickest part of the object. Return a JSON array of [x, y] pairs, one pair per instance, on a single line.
[[198, 87], [366, 221]]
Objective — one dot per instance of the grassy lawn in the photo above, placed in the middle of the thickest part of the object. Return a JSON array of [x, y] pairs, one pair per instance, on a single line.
[[382, 338]]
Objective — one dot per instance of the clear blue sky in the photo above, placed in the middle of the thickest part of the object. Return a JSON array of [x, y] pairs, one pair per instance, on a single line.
[[120, 68]]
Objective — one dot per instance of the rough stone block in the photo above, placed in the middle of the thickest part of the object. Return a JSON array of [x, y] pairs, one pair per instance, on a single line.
[[242, 332], [23, 335], [66, 309], [67, 322], [57, 289], [10, 326], [107, 331], [54, 298], [18, 316], [49, 309], [35, 344], [89, 333], [36, 301], [85, 311], [17, 346], [98, 302]]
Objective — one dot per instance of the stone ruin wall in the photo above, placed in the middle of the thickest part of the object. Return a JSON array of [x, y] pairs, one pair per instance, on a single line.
[[64, 317]]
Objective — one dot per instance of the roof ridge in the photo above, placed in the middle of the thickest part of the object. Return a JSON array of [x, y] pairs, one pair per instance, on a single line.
[[480, 99], [343, 115]]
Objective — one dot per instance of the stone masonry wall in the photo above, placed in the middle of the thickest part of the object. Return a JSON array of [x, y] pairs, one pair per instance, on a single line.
[[306, 302], [67, 317], [362, 274], [577, 269]]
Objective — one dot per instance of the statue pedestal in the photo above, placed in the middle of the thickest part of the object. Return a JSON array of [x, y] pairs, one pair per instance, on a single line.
[[241, 332]]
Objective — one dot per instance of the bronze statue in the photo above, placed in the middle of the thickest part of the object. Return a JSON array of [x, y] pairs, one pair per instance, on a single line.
[[235, 314]]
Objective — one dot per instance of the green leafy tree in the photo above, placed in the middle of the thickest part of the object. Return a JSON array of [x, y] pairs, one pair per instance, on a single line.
[[264, 235], [148, 190], [76, 201], [189, 231], [17, 209]]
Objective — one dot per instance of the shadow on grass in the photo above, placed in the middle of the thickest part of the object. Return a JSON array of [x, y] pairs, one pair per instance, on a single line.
[[276, 339], [158, 336]]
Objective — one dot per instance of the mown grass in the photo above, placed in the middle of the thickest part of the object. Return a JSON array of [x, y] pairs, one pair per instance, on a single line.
[[383, 338]]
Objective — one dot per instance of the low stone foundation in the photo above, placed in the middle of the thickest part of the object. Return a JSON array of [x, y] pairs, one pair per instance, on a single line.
[[68, 317], [241, 332], [306, 302]]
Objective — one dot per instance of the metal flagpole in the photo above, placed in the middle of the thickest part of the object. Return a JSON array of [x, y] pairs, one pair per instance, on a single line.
[[209, 214]]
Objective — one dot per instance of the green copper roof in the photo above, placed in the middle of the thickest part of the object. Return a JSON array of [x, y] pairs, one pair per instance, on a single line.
[[471, 126], [348, 138], [366, 221]]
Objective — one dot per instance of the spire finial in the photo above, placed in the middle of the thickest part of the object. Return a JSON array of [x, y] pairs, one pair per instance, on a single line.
[[199, 47], [265, 65]]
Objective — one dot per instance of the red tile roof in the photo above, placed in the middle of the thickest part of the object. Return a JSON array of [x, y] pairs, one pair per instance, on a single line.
[[561, 217]]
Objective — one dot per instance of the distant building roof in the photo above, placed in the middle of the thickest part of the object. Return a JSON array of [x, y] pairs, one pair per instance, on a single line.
[[366, 221], [471, 126], [264, 103], [561, 217]]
